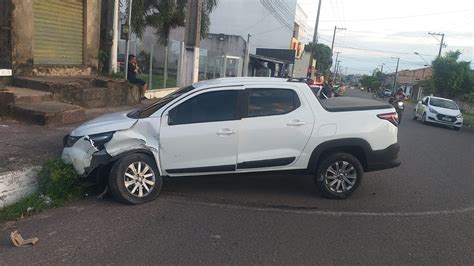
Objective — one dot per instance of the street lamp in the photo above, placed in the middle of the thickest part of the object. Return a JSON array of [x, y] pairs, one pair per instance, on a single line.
[[426, 63]]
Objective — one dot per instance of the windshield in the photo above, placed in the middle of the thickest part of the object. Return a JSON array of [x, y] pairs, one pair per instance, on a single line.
[[152, 108], [444, 104]]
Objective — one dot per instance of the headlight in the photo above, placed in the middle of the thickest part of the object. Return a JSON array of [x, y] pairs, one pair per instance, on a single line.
[[433, 111], [459, 115], [99, 140], [69, 141]]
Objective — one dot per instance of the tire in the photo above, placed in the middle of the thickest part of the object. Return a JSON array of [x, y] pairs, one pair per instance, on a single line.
[[423, 118], [133, 170], [334, 186], [457, 128], [414, 114]]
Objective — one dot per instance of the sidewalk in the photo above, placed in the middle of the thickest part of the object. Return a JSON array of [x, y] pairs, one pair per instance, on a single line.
[[24, 148]]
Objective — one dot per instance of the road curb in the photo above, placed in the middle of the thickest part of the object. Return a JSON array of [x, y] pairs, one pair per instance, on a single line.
[[15, 185]]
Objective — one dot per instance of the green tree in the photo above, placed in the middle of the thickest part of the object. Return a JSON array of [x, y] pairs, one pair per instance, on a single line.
[[451, 78], [322, 54], [374, 82], [164, 15]]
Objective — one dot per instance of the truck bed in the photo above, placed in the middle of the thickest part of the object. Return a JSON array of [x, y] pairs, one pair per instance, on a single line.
[[347, 104]]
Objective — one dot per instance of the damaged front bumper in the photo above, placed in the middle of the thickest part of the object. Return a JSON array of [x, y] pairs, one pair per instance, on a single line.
[[84, 155]]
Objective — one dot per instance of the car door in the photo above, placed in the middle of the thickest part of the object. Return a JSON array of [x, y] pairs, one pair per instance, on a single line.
[[276, 127], [420, 107], [199, 133]]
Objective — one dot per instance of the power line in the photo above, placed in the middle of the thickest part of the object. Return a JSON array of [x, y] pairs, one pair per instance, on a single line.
[[260, 20]]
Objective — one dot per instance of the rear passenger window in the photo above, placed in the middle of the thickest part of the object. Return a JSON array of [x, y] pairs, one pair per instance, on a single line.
[[267, 102]]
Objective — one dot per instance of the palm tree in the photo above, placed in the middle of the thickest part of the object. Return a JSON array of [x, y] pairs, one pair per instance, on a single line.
[[164, 15]]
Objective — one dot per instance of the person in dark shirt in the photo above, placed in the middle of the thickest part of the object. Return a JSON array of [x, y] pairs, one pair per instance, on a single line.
[[326, 91], [132, 72]]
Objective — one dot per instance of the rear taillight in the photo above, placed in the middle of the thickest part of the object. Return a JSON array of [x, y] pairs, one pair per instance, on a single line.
[[391, 117]]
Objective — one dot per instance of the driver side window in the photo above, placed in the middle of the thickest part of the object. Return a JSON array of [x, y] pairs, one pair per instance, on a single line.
[[204, 108]]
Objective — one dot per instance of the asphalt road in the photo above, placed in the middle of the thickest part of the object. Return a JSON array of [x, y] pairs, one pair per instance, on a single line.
[[419, 213]]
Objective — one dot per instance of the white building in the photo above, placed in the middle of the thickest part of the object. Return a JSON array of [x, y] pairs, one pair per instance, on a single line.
[[272, 23]]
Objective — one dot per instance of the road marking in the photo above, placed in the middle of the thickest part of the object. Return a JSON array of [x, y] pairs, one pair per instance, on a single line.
[[312, 211]]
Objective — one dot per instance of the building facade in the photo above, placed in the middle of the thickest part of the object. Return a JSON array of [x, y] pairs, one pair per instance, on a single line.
[[271, 24], [51, 37]]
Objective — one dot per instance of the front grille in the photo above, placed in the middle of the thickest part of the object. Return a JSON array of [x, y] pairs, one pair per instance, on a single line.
[[446, 118]]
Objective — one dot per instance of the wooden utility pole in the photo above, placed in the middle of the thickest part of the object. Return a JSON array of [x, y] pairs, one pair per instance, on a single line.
[[315, 40], [193, 41], [334, 36]]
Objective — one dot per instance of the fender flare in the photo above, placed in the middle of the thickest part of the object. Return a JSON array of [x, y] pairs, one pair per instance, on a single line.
[[357, 145]]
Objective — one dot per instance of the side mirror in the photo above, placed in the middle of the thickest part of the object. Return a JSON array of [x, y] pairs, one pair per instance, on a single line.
[[420, 102]]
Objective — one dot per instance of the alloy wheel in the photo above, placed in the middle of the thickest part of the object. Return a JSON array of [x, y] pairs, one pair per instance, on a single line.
[[340, 177], [139, 179]]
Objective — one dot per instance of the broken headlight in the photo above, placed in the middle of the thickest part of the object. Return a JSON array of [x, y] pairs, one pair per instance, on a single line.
[[69, 141], [99, 140]]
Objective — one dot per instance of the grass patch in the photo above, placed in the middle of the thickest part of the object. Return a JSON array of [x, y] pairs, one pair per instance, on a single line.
[[157, 81], [468, 119], [58, 183]]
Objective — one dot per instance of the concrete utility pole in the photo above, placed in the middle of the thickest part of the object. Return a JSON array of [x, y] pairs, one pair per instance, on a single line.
[[396, 74], [247, 57], [115, 39], [338, 67], [335, 64], [127, 49], [150, 71], [441, 44], [315, 38], [193, 40], [334, 36]]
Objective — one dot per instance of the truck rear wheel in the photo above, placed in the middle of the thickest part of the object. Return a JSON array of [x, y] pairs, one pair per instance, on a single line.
[[135, 179], [338, 175]]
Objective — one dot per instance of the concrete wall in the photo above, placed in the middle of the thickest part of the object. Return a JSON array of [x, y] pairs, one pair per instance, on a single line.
[[15, 185], [22, 42]]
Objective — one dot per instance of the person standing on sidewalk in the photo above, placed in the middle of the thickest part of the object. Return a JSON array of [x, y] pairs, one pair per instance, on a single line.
[[132, 72]]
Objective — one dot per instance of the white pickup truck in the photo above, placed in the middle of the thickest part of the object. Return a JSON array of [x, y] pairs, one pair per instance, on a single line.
[[237, 125]]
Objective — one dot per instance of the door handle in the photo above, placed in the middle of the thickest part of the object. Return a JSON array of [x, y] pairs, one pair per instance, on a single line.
[[225, 132], [296, 123]]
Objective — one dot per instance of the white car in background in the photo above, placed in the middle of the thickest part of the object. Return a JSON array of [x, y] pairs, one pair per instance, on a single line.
[[440, 111]]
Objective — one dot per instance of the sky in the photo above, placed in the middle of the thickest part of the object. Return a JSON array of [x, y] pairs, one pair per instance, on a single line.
[[377, 32]]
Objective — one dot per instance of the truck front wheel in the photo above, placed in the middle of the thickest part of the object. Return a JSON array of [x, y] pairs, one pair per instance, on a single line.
[[135, 179], [338, 175]]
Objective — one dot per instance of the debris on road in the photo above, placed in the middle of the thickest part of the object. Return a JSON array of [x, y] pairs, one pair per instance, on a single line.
[[18, 240]]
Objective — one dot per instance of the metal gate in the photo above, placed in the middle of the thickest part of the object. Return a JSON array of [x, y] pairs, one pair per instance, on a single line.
[[58, 32], [5, 35]]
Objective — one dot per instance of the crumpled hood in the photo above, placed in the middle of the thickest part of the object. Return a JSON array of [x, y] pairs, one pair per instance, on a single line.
[[105, 123], [446, 111]]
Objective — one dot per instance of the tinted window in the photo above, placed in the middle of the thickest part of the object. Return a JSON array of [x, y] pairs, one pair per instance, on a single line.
[[265, 102], [443, 103], [206, 107]]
